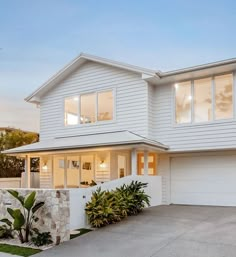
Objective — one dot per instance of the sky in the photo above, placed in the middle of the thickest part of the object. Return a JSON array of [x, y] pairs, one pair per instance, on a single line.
[[37, 38]]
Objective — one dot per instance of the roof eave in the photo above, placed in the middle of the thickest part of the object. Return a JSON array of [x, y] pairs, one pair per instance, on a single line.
[[197, 68], [14, 151]]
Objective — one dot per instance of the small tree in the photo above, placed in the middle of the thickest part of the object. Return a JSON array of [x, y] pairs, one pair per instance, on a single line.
[[12, 166], [22, 221]]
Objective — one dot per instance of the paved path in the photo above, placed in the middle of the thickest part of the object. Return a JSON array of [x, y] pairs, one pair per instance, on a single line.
[[163, 231]]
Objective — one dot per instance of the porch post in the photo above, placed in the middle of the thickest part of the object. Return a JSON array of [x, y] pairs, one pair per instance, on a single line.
[[65, 171], [27, 171], [145, 172], [134, 162]]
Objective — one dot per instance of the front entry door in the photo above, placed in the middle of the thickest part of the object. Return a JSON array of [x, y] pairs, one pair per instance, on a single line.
[[152, 164]]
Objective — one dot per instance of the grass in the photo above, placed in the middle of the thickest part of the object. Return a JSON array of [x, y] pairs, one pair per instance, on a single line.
[[17, 250], [82, 231]]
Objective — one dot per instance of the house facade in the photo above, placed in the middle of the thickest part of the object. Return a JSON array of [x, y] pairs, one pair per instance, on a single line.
[[101, 120]]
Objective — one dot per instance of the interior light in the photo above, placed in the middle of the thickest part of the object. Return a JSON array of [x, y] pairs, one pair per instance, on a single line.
[[76, 98], [176, 86], [190, 97]]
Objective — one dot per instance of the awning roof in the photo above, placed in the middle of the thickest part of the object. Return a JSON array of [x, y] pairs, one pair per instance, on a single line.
[[117, 138]]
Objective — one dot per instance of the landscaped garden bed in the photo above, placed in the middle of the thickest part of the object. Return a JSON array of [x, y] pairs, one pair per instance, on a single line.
[[108, 207], [18, 229]]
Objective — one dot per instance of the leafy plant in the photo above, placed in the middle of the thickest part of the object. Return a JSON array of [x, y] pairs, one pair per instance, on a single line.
[[99, 209], [22, 221], [107, 207], [40, 239], [5, 232], [134, 197]]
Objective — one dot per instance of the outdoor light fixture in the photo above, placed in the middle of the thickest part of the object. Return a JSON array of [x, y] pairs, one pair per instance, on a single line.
[[176, 86], [45, 167], [102, 164]]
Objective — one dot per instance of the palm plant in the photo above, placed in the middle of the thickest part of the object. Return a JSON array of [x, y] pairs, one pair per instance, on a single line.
[[23, 218]]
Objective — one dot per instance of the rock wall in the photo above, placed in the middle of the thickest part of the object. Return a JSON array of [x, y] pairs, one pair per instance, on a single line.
[[54, 216]]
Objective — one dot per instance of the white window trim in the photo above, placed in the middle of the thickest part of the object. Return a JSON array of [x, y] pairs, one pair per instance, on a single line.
[[213, 121], [97, 122]]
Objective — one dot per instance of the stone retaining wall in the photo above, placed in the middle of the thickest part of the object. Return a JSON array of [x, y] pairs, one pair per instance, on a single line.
[[54, 216]]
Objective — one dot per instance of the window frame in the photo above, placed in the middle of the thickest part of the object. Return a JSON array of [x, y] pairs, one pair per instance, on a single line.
[[214, 120], [97, 122]]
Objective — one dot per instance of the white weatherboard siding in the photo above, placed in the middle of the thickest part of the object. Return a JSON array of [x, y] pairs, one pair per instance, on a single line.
[[131, 106], [151, 111], [204, 180], [213, 135]]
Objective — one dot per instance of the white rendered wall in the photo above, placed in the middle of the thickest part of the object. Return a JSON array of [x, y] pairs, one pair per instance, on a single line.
[[79, 197]]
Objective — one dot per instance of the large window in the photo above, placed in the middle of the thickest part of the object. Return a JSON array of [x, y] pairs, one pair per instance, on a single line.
[[105, 106], [204, 100], [183, 101], [223, 97], [71, 111], [89, 108]]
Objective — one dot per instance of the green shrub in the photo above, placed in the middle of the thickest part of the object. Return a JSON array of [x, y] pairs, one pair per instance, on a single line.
[[133, 197], [102, 209], [5, 232], [107, 207], [40, 239]]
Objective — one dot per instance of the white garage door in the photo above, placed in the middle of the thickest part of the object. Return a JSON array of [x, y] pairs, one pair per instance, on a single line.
[[204, 180]]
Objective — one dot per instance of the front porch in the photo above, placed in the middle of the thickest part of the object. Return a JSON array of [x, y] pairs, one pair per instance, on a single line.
[[82, 169], [86, 160]]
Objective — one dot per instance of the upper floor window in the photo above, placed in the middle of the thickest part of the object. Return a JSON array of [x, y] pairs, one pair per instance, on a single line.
[[89, 108], [71, 110], [183, 102], [204, 100], [105, 106], [223, 97]]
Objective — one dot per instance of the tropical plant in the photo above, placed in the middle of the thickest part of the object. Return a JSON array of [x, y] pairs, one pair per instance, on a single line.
[[5, 232], [23, 220], [107, 207], [133, 197], [100, 209], [40, 239]]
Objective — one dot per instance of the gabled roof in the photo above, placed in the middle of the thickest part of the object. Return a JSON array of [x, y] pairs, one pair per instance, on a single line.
[[75, 64], [116, 138], [153, 76]]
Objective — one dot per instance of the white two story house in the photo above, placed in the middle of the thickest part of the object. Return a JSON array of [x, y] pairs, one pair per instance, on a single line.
[[102, 120]]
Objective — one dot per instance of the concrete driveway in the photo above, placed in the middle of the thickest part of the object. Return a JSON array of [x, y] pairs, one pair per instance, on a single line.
[[163, 231]]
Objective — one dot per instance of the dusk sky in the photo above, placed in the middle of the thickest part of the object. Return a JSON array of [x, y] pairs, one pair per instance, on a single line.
[[37, 38]]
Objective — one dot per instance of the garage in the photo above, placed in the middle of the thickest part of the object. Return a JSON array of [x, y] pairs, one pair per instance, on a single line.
[[204, 180]]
